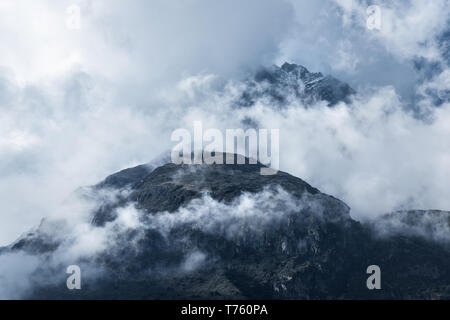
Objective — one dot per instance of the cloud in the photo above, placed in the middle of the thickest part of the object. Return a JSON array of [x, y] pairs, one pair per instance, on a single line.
[[61, 136], [408, 28], [15, 274], [254, 213], [374, 153], [140, 40], [332, 37], [428, 224], [76, 105]]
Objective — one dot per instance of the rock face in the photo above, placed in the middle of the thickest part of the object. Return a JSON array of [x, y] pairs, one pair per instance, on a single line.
[[292, 81], [225, 231]]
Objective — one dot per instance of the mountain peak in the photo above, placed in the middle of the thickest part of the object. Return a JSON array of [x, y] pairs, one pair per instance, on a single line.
[[295, 68], [225, 231], [282, 85]]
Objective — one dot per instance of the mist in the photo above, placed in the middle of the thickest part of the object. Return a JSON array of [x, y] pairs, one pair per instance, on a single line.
[[78, 105]]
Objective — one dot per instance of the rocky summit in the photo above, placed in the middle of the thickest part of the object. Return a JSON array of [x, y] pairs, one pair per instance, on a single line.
[[292, 82], [227, 232], [167, 231]]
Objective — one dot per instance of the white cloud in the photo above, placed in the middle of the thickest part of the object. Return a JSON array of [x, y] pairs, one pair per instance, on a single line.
[[76, 106], [15, 274], [374, 153], [410, 28], [81, 243]]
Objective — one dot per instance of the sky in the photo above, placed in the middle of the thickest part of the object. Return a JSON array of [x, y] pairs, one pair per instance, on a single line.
[[77, 104]]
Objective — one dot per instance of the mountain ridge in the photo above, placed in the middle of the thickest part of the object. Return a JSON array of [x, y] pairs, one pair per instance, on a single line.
[[280, 84], [277, 238]]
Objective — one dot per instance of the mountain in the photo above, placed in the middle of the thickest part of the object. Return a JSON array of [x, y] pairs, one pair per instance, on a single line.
[[166, 231], [227, 232], [291, 81]]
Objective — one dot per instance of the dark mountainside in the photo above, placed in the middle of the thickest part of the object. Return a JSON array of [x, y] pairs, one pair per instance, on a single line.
[[315, 252], [227, 232]]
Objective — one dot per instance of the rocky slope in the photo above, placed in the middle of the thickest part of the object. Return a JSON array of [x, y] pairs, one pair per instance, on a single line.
[[225, 231]]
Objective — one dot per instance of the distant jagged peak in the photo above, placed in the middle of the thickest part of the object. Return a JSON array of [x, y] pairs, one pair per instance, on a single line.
[[300, 71], [281, 84]]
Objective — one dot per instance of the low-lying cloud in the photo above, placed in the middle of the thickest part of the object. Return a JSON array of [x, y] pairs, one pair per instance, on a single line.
[[79, 242]]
